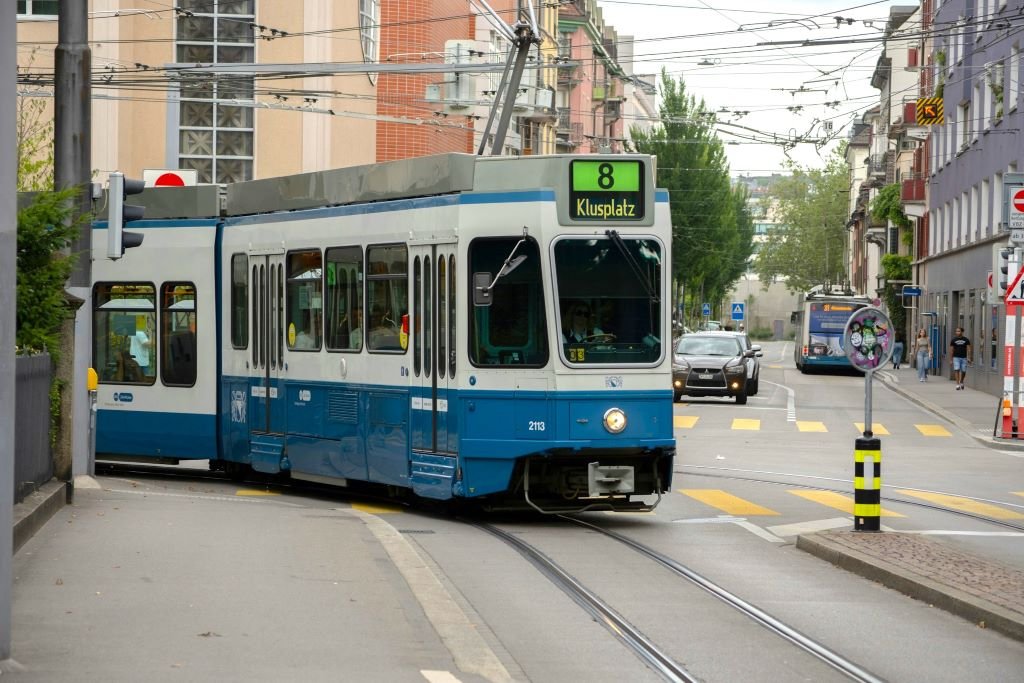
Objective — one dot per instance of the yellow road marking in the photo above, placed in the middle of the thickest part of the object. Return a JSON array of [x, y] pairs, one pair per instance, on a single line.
[[836, 500], [810, 426], [965, 505], [684, 421], [745, 423], [256, 492], [726, 502], [375, 509], [933, 430], [876, 429], [1018, 493]]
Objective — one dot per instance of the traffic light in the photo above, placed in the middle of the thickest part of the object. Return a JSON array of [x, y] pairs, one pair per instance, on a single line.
[[1003, 274], [119, 213]]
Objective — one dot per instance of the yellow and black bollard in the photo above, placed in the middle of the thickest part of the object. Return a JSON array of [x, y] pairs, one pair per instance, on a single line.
[[867, 484]]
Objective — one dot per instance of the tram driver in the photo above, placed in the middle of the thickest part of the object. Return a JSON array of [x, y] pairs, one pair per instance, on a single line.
[[578, 325]]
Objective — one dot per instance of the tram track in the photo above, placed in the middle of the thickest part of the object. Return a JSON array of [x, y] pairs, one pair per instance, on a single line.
[[632, 637], [735, 475]]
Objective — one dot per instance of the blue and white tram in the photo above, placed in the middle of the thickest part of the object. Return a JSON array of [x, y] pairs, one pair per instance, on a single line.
[[406, 324]]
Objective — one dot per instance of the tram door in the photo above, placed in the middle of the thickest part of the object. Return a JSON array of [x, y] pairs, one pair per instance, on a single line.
[[266, 354], [433, 347]]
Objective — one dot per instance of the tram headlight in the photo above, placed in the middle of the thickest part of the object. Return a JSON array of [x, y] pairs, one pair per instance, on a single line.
[[614, 420]]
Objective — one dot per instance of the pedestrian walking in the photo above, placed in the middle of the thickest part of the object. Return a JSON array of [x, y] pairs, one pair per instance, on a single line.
[[897, 351], [923, 353], [960, 350]]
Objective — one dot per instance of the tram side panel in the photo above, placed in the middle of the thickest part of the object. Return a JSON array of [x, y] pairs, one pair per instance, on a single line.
[[154, 348], [342, 393]]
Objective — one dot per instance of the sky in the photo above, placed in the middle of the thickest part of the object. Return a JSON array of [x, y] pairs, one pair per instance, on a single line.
[[760, 91]]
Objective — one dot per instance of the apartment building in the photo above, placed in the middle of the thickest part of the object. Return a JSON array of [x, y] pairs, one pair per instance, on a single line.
[[152, 109], [976, 68], [965, 56], [591, 84], [242, 89]]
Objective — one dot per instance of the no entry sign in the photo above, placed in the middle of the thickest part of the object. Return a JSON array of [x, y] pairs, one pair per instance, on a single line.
[[1016, 208]]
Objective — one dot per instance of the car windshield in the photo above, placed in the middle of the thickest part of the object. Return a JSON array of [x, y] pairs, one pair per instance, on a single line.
[[708, 346]]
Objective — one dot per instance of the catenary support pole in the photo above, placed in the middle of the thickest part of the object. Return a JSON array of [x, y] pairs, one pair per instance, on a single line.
[[73, 167], [8, 301]]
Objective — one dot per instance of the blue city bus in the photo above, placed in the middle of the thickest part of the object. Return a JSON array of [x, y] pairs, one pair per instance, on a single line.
[[820, 322]]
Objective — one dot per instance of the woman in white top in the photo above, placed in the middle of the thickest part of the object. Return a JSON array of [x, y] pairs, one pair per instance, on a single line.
[[923, 353]]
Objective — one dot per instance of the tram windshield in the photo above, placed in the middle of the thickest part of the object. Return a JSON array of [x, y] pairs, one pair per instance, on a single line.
[[608, 296]]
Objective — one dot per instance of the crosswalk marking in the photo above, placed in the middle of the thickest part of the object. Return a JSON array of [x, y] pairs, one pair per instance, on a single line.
[[810, 527], [964, 504], [933, 430], [726, 502], [836, 500], [876, 429], [747, 424]]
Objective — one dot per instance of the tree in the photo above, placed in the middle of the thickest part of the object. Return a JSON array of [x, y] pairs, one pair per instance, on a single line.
[[35, 144], [712, 230], [45, 232], [896, 269], [808, 246]]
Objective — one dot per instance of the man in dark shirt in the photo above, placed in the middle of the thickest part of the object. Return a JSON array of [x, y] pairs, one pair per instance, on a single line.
[[960, 349]]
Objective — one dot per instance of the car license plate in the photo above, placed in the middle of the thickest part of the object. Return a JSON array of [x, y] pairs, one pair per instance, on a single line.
[[705, 375]]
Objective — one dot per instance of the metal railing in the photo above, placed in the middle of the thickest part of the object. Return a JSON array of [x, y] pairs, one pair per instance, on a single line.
[[33, 459]]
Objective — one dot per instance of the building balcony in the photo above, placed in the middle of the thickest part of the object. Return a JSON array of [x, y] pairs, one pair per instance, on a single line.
[[912, 190]]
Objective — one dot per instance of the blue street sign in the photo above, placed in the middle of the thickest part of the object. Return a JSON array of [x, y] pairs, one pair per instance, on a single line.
[[911, 291], [706, 310], [737, 310]]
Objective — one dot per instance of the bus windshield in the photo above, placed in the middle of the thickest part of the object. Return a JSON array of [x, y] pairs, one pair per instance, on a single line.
[[826, 322], [609, 308]]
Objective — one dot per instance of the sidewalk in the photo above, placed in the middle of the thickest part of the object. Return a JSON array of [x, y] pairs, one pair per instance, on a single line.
[[974, 412], [986, 593], [972, 587]]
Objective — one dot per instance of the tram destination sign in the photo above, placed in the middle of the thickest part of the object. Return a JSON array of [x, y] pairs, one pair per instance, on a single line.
[[606, 191]]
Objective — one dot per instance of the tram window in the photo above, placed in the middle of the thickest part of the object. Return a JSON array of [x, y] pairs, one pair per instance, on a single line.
[[451, 316], [263, 316], [255, 319], [305, 300], [124, 333], [344, 283], [417, 315], [387, 290], [428, 318], [239, 301], [178, 334], [512, 331], [280, 316], [272, 337], [442, 316], [609, 299]]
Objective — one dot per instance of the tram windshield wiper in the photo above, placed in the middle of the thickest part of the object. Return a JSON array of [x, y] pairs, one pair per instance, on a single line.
[[482, 282], [616, 239]]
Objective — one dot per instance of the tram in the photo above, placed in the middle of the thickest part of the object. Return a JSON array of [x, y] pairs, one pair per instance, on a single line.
[[401, 324], [820, 323]]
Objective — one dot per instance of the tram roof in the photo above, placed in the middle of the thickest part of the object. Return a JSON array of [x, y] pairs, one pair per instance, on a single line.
[[425, 176]]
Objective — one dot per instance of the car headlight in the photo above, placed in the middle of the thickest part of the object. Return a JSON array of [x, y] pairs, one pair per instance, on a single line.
[[614, 420], [679, 363], [735, 369]]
